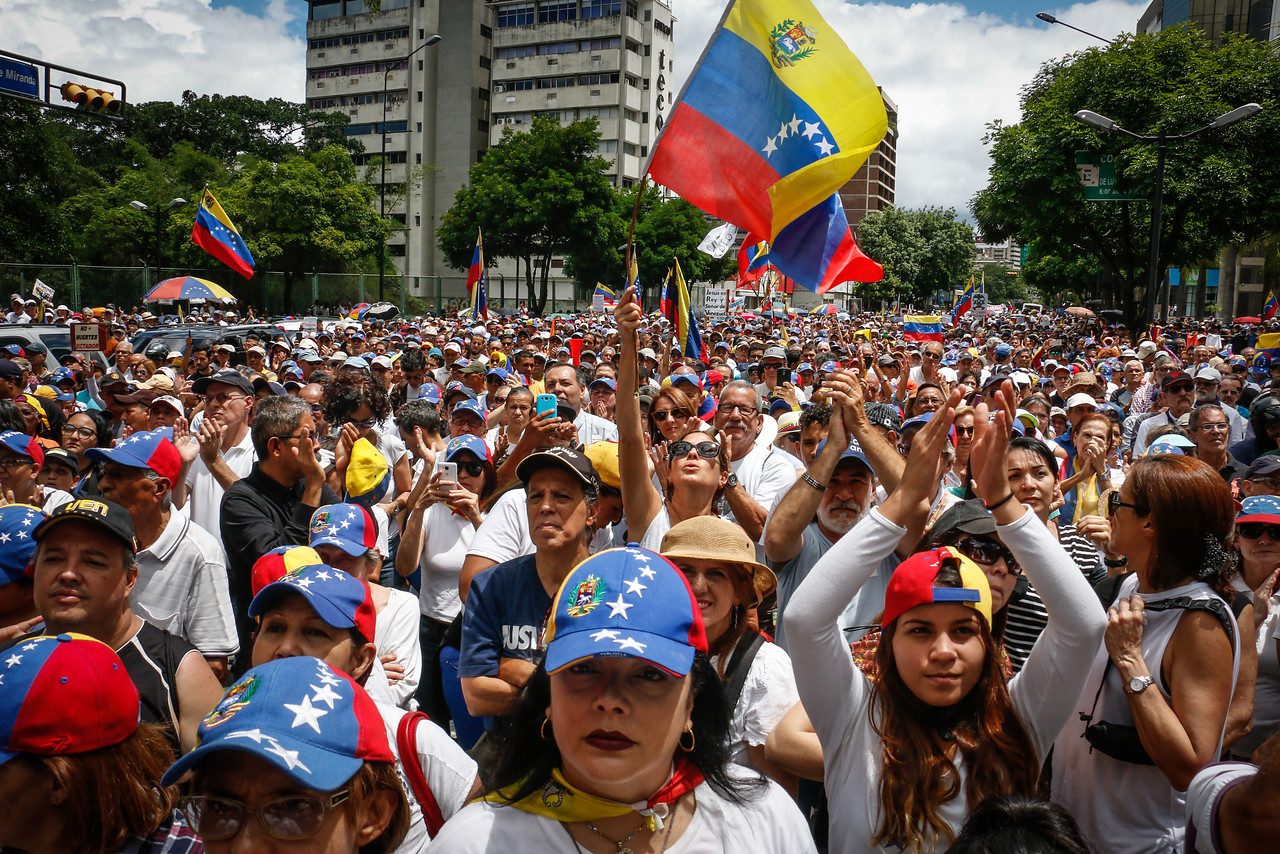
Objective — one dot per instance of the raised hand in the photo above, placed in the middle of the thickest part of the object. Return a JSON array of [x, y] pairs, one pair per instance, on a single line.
[[211, 433], [188, 446], [988, 465]]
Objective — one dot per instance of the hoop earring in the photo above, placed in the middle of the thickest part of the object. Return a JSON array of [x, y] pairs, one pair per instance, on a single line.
[[693, 741], [542, 730]]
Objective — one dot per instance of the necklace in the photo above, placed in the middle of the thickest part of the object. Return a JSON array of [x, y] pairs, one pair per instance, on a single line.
[[618, 842]]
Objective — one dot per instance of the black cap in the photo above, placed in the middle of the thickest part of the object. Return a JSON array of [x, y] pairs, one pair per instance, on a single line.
[[100, 511], [68, 459], [967, 516], [9, 370], [227, 377], [569, 459], [1264, 466], [1176, 377], [883, 415], [996, 380], [111, 378]]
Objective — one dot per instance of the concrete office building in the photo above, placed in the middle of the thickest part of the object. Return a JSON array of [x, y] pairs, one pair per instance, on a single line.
[[437, 108], [1254, 18]]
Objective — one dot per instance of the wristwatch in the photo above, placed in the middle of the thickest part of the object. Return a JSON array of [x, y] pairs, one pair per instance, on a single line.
[[1138, 684], [732, 482]]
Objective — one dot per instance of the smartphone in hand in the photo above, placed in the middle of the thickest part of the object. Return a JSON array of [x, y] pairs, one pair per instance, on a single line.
[[545, 403]]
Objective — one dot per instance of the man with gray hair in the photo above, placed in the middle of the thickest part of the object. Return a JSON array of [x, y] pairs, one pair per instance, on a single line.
[[182, 572], [1210, 428], [272, 506], [758, 475]]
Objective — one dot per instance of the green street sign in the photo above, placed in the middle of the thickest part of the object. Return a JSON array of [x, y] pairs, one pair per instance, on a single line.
[[1097, 171]]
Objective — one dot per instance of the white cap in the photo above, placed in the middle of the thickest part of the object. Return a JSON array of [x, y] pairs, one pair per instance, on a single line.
[[381, 362], [169, 400], [1020, 378], [174, 354], [308, 344], [1213, 375], [1081, 399], [1146, 348], [254, 349], [647, 353], [453, 345], [479, 330]]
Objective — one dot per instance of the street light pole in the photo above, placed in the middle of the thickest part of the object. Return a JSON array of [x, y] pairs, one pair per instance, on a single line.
[[382, 185], [1162, 139], [1049, 19], [158, 216]]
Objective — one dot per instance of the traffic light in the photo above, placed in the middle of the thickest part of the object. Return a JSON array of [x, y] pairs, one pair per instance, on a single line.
[[91, 99]]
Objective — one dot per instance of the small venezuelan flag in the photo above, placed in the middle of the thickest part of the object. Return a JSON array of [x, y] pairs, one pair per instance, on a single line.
[[686, 324], [1269, 310], [922, 327], [214, 232]]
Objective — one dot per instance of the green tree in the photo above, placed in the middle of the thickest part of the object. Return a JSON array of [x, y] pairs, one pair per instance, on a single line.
[[308, 214], [1220, 187], [922, 251], [1003, 283], [534, 195]]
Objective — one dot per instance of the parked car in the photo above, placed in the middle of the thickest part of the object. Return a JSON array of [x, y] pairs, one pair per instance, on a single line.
[[56, 339], [151, 341]]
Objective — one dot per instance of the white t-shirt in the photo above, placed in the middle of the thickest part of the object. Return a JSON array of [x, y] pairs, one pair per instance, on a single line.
[[204, 499], [182, 587], [396, 631], [446, 536], [449, 771], [767, 696], [765, 476], [504, 534], [769, 824]]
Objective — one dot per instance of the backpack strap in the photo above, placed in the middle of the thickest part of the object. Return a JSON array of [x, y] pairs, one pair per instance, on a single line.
[[407, 742], [740, 666], [1214, 606]]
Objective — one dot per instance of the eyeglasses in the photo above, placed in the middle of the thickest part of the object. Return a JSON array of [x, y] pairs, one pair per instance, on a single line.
[[1180, 388], [1272, 483], [284, 436], [706, 450], [363, 424], [11, 463], [963, 431], [222, 397], [987, 552], [664, 414], [82, 432], [1217, 427], [748, 408], [1114, 504], [292, 817], [1254, 530], [929, 355]]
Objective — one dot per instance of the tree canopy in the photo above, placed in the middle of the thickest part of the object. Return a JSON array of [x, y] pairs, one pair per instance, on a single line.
[[922, 251], [1221, 187]]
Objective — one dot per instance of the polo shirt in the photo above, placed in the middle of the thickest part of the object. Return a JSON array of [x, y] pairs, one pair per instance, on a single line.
[[182, 587], [204, 498]]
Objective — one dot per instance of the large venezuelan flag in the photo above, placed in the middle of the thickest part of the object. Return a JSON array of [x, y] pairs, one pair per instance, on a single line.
[[922, 327], [777, 116], [214, 232], [476, 272], [476, 282], [686, 334]]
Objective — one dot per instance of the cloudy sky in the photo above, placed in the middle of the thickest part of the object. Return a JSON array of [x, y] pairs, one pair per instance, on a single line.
[[950, 67]]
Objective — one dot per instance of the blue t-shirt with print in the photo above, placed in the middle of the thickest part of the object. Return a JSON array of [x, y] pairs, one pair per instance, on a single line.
[[503, 617]]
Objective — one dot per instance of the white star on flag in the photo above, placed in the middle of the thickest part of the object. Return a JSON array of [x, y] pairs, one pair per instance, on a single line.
[[289, 756], [619, 607], [325, 694], [604, 634], [634, 586], [825, 147], [13, 659], [782, 132], [769, 147], [256, 734], [305, 713], [794, 124], [648, 573], [328, 678], [304, 582], [630, 643], [324, 575], [22, 535], [28, 647], [4, 538], [810, 128]]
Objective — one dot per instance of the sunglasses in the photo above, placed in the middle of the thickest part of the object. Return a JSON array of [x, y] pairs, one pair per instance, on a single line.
[[986, 552], [706, 450], [1114, 504], [664, 414], [1254, 530], [292, 817], [471, 469]]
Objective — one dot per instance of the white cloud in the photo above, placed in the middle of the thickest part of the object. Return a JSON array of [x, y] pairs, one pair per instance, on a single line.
[[950, 71], [161, 47]]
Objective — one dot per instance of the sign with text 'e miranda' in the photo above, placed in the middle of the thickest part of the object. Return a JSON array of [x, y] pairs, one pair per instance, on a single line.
[[18, 78], [1097, 171]]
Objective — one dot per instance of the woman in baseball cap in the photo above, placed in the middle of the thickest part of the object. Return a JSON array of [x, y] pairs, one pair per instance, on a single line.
[[939, 728], [78, 772], [295, 757], [619, 738]]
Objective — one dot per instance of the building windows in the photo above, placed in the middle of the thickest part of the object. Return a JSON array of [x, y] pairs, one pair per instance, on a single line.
[[555, 82], [629, 149], [484, 62], [515, 15], [321, 11], [633, 9], [550, 11], [482, 93], [524, 85], [393, 157], [519, 52], [486, 31], [366, 129], [316, 44], [607, 146], [633, 81], [598, 112], [601, 44], [324, 73], [547, 114], [601, 8], [557, 48], [597, 79]]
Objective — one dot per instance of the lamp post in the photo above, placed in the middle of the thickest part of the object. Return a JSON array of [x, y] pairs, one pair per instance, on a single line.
[[1162, 141], [159, 216], [1049, 19], [382, 185]]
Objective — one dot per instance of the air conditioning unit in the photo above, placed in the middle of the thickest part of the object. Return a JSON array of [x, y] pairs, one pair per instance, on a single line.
[[551, 96], [511, 65], [499, 88], [552, 60], [319, 84], [595, 92], [354, 51], [320, 54]]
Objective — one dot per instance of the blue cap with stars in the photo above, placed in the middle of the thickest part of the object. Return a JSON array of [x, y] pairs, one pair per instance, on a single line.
[[341, 600], [17, 546], [301, 716], [626, 602], [348, 526]]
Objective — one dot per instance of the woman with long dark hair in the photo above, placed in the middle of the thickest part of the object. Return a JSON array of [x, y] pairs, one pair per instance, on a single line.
[[619, 739], [940, 728], [1154, 709], [84, 430]]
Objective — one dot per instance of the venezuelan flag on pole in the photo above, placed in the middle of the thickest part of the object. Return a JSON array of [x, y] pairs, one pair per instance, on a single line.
[[921, 327], [476, 272], [686, 324], [667, 300], [1269, 310], [753, 259], [965, 303], [609, 295], [214, 232], [777, 116], [476, 284]]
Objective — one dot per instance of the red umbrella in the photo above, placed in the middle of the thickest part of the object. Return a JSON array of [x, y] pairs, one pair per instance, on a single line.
[[1248, 320]]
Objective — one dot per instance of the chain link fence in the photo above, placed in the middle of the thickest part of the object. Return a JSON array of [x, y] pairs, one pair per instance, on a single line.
[[78, 285]]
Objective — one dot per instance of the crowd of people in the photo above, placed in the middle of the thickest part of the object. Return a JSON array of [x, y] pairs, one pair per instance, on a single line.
[[467, 585]]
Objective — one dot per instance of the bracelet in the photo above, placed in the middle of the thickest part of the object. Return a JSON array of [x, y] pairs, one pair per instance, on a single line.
[[1000, 503], [818, 486], [1115, 564]]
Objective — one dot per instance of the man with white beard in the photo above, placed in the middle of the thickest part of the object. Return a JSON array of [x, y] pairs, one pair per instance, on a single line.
[[829, 500]]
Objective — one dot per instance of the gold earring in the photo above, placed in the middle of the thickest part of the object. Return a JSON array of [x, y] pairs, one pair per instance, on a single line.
[[543, 729], [693, 740]]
